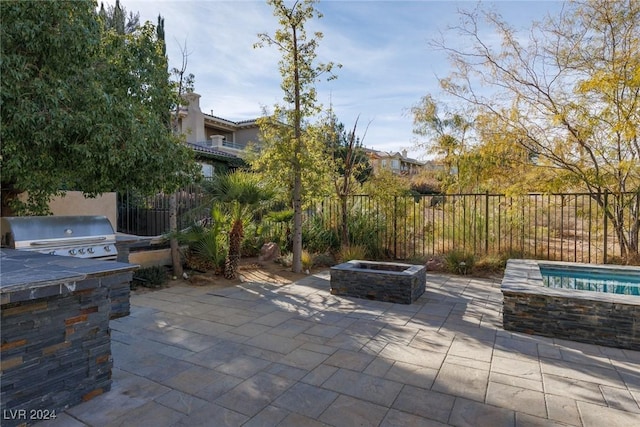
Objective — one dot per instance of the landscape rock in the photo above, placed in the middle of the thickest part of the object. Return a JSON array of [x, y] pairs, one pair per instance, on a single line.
[[269, 252]]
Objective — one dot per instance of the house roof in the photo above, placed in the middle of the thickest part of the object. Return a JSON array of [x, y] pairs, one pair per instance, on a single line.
[[212, 153], [232, 125], [386, 155]]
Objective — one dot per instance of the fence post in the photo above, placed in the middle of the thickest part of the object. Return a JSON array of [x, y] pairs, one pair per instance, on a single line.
[[395, 227], [606, 224], [486, 222]]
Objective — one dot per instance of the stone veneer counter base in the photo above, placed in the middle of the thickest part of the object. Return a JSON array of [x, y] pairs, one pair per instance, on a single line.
[[606, 319], [55, 340], [380, 281]]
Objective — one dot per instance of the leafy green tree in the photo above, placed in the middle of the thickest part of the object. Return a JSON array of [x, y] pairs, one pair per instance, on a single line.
[[83, 107], [299, 74], [114, 17], [571, 94], [446, 136]]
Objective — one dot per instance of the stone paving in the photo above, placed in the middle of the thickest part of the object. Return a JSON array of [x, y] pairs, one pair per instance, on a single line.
[[294, 355]]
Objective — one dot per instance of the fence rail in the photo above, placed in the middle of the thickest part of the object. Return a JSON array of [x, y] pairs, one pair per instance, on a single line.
[[568, 227], [149, 216]]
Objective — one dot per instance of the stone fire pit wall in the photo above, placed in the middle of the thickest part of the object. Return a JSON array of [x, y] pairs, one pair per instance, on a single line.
[[380, 281]]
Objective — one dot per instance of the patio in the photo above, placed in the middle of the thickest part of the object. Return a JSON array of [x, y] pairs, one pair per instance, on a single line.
[[260, 354]]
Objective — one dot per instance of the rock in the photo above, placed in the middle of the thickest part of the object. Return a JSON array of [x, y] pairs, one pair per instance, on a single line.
[[269, 252]]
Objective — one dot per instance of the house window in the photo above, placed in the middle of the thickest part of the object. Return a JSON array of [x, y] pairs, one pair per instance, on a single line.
[[395, 164], [384, 163], [207, 170]]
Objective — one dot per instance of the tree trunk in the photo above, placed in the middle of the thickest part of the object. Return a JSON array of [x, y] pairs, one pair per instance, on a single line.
[[634, 232], [344, 225], [296, 266], [297, 169], [235, 246], [176, 259]]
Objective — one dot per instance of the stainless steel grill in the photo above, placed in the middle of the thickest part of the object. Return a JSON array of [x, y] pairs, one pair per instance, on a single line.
[[77, 236]]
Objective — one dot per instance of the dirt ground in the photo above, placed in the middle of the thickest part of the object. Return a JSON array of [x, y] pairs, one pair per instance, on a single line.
[[250, 270]]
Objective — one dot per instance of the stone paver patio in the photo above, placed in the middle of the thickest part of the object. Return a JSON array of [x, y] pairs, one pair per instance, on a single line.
[[294, 355]]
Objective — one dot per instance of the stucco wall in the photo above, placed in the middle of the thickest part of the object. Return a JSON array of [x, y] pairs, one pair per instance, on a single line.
[[74, 203], [246, 135]]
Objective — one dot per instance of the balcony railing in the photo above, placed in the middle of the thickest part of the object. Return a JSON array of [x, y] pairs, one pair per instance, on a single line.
[[233, 145]]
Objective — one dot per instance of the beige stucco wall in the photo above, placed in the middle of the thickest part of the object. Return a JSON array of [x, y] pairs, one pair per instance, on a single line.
[[246, 135], [151, 258], [74, 203], [193, 123]]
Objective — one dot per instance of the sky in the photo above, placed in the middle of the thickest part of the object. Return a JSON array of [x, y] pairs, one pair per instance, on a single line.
[[388, 63]]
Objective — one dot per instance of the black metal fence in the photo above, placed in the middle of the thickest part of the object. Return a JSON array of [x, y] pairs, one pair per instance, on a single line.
[[568, 227], [149, 216]]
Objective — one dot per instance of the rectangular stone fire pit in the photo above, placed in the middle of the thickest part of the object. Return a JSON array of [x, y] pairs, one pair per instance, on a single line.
[[380, 281]]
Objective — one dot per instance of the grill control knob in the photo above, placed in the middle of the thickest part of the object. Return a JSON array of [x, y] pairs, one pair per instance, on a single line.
[[107, 248], [90, 250], [52, 253], [81, 251], [72, 251]]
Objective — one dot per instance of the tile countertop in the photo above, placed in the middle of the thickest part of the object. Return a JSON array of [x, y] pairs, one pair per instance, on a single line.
[[28, 275]]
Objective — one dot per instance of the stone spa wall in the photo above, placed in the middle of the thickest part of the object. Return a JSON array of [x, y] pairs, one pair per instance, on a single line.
[[596, 318]]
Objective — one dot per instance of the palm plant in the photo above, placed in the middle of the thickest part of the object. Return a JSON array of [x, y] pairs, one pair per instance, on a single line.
[[240, 191], [206, 246]]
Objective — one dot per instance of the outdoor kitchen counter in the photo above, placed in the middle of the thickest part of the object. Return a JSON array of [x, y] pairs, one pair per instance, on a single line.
[[55, 341], [28, 275]]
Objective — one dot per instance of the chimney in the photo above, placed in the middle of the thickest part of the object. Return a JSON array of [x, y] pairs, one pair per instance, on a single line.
[[216, 141], [194, 101], [404, 153]]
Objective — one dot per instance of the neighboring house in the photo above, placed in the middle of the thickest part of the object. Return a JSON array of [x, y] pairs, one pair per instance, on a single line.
[[398, 163], [218, 143]]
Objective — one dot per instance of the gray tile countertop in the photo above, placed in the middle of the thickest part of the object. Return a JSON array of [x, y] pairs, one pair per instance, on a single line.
[[28, 275]]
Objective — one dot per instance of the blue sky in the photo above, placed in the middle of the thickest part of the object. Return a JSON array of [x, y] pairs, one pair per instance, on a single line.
[[383, 46]]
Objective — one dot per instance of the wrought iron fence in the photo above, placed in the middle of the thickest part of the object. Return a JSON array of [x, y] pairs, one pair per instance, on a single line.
[[568, 227], [149, 216]]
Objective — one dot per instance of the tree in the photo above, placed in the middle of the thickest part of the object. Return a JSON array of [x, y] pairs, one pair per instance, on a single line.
[[183, 83], [446, 134], [298, 77], [240, 191], [571, 94], [350, 165], [115, 18], [83, 107]]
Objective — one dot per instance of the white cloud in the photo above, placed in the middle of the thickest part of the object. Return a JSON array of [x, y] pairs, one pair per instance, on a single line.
[[383, 47]]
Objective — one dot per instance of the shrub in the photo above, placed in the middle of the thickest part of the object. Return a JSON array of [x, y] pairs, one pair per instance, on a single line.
[[351, 252], [364, 232], [490, 264], [324, 260], [150, 277], [459, 262], [206, 247], [307, 260], [416, 260], [286, 260], [318, 237]]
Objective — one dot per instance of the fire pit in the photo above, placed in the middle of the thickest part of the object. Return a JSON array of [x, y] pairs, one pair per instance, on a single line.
[[380, 281]]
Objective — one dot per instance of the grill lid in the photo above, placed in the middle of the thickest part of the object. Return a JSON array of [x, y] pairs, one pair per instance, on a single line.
[[64, 229]]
